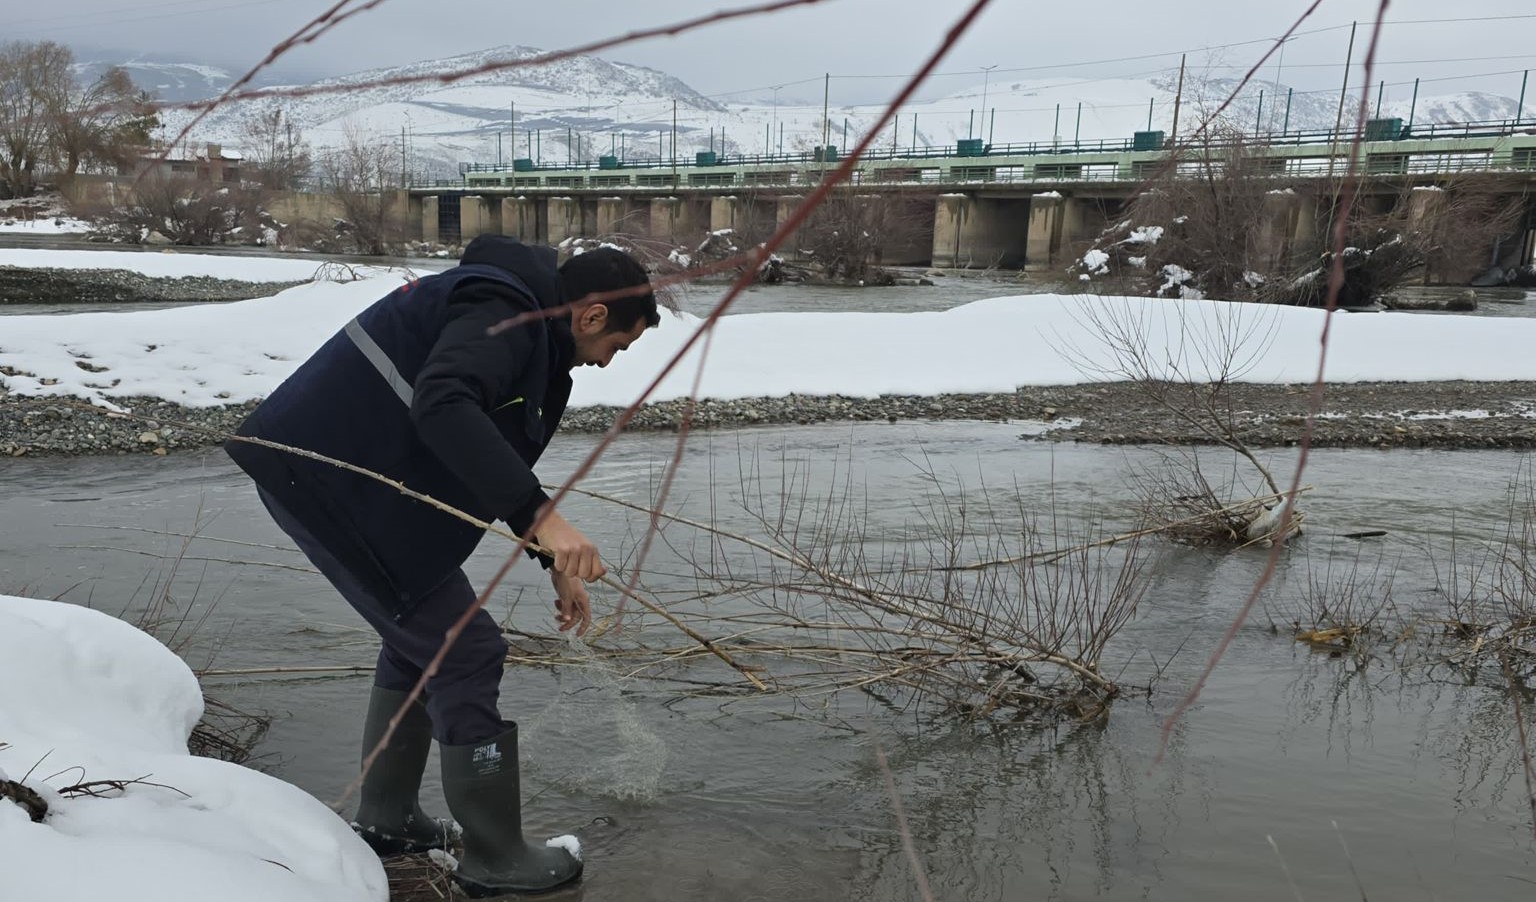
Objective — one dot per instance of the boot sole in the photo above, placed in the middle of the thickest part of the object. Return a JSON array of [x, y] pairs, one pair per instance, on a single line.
[[478, 890], [387, 846]]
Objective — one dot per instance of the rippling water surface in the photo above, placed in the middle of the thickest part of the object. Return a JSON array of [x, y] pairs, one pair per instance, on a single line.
[[1288, 758]]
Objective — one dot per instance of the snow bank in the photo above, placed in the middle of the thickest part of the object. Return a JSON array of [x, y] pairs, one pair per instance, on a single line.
[[200, 356], [84, 696], [44, 225], [209, 355]]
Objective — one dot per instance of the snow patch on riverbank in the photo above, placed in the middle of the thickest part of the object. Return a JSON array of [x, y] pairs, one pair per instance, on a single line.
[[230, 353], [86, 697]]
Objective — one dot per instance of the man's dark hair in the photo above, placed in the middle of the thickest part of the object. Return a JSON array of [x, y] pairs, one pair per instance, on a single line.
[[610, 269]]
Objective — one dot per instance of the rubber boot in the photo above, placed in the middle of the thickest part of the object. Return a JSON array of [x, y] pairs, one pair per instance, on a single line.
[[389, 817], [484, 794]]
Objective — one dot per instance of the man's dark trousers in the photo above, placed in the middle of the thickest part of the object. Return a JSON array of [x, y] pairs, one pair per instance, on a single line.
[[461, 697]]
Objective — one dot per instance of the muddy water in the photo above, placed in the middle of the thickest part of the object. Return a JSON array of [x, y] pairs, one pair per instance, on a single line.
[[1288, 757]]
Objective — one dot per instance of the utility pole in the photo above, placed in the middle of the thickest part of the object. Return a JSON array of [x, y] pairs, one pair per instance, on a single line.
[[992, 126], [1379, 89], [1338, 120], [826, 124], [775, 120], [985, 77], [1520, 106], [1178, 97], [1077, 133], [1258, 118], [403, 182], [1150, 102], [1279, 65], [674, 142], [1349, 57], [1285, 125]]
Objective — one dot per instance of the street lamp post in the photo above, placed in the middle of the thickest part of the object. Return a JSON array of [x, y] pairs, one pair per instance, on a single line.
[[985, 77], [775, 120]]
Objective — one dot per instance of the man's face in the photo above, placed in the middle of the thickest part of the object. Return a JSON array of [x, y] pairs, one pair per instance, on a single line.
[[595, 345]]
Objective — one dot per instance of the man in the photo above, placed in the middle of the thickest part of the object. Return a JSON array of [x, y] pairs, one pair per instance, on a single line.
[[418, 390]]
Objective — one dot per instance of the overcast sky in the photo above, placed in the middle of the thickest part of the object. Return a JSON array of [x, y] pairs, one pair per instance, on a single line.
[[863, 43]]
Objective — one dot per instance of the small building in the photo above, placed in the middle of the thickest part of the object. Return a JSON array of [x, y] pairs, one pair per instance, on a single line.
[[212, 164]]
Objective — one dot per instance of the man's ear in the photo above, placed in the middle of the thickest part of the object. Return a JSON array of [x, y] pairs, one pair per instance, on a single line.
[[593, 318]]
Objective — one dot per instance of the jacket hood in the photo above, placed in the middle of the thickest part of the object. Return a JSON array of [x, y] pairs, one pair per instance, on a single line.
[[536, 265]]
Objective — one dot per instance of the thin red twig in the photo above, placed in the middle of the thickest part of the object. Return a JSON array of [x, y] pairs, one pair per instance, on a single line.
[[1529, 769], [684, 427], [905, 829], [1315, 406], [450, 77], [308, 34], [1248, 76]]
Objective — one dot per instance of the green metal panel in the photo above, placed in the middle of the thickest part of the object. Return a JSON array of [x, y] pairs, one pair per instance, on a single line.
[[826, 154], [607, 162], [970, 147], [1383, 129], [705, 158], [1147, 140]]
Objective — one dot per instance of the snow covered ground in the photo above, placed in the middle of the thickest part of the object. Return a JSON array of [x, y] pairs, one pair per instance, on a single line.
[[215, 354], [50, 225], [41, 215], [86, 697]]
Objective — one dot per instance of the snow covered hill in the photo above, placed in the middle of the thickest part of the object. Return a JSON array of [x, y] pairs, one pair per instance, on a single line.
[[165, 80], [584, 107]]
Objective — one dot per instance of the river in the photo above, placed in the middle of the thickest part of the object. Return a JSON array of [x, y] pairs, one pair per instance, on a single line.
[[1293, 767]]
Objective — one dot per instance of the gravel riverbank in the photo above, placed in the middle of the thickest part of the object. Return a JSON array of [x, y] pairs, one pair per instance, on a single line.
[[20, 285], [1448, 415]]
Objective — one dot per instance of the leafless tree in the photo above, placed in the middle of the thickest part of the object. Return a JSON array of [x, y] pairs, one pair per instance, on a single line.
[[183, 210], [105, 124], [34, 79], [359, 175], [851, 233], [1221, 219], [278, 156]]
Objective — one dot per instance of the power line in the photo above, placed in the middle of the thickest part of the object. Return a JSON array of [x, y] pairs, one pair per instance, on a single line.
[[1170, 53], [77, 23]]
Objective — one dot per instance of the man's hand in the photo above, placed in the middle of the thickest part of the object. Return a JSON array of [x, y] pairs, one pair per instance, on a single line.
[[573, 607], [575, 554]]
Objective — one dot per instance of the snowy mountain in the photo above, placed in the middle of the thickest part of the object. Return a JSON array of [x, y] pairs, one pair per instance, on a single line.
[[584, 107], [444, 124], [165, 80]]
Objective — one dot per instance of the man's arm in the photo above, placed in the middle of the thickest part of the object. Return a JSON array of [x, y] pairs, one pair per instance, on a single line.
[[465, 376]]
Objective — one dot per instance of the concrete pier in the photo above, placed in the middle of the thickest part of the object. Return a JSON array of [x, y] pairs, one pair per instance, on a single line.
[[478, 215]]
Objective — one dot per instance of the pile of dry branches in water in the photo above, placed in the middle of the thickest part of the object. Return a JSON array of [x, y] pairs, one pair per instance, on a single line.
[[1344, 604], [1201, 351], [1490, 589], [816, 606]]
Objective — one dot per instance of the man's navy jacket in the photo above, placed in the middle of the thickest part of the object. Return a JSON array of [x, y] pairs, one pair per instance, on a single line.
[[482, 409]]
